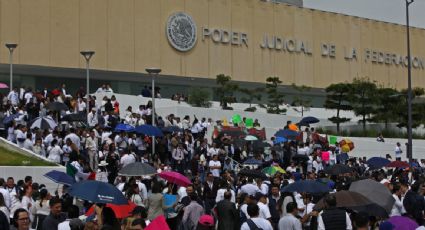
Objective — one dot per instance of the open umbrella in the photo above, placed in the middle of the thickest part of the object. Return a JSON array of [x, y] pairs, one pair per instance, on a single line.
[[97, 192], [403, 223], [251, 138], [279, 140], [252, 173], [137, 169], [293, 127], [3, 85], [124, 128], [74, 117], [252, 161], [338, 169], [121, 211], [377, 162], [286, 133], [57, 106], [308, 120], [10, 118], [149, 130], [175, 178], [273, 170], [398, 164], [158, 223], [60, 177], [345, 199], [374, 191], [43, 123], [308, 186]]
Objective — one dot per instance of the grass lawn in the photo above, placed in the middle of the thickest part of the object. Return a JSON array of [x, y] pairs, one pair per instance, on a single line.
[[12, 158]]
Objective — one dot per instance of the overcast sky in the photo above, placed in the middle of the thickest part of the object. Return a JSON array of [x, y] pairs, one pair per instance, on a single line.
[[383, 10]]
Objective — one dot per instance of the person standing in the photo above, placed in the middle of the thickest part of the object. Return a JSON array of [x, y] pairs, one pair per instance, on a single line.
[[209, 192], [398, 152], [289, 221], [332, 217], [227, 214], [91, 146], [192, 213], [55, 217], [215, 166], [255, 222]]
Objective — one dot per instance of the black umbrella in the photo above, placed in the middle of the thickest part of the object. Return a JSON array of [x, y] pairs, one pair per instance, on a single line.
[[308, 186], [74, 117], [338, 169], [43, 123], [375, 191], [137, 169], [354, 201], [308, 120], [252, 173], [57, 106]]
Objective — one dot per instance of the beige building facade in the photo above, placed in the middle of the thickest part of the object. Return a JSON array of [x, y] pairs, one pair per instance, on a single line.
[[249, 40]]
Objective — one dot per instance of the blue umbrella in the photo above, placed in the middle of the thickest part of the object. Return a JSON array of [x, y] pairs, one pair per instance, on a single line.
[[308, 120], [253, 161], [97, 192], [149, 130], [308, 186], [171, 129], [124, 128], [377, 162], [279, 140], [10, 118], [60, 177], [286, 133]]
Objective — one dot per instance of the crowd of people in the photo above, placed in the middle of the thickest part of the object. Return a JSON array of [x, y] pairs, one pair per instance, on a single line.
[[219, 197]]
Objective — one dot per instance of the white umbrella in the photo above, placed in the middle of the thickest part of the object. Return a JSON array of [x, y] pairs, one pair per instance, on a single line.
[[251, 138], [43, 123]]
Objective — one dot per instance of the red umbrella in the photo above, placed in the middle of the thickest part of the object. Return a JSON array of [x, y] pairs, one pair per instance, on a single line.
[[158, 223], [398, 164], [121, 211], [3, 85], [175, 178], [56, 92]]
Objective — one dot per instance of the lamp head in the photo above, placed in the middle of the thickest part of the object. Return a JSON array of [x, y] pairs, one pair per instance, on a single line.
[[153, 70], [87, 54], [11, 46]]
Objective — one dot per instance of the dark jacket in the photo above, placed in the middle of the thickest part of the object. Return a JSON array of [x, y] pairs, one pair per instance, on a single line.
[[334, 219], [227, 215], [208, 192], [51, 222], [414, 205]]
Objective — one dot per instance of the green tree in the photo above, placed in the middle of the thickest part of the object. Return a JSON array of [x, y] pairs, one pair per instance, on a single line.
[[251, 95], [388, 101], [337, 98], [300, 99], [225, 90], [275, 98], [418, 108], [199, 97], [363, 98]]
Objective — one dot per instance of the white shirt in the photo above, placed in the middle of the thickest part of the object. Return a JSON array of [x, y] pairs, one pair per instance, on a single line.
[[143, 190], [260, 222], [249, 189], [127, 159], [6, 196], [289, 222], [264, 210], [220, 195], [64, 225], [81, 106], [74, 138], [215, 172], [92, 119], [397, 151], [397, 209], [55, 153]]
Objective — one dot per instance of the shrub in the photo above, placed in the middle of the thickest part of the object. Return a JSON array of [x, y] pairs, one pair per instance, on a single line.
[[199, 97]]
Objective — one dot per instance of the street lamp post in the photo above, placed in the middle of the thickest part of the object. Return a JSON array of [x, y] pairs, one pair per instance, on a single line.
[[11, 47], [409, 86], [153, 72], [87, 55]]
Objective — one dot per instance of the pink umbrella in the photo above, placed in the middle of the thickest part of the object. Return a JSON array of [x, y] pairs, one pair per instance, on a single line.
[[175, 178], [158, 223], [3, 86]]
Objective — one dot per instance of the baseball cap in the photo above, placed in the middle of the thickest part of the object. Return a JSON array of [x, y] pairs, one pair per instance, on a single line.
[[206, 220]]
